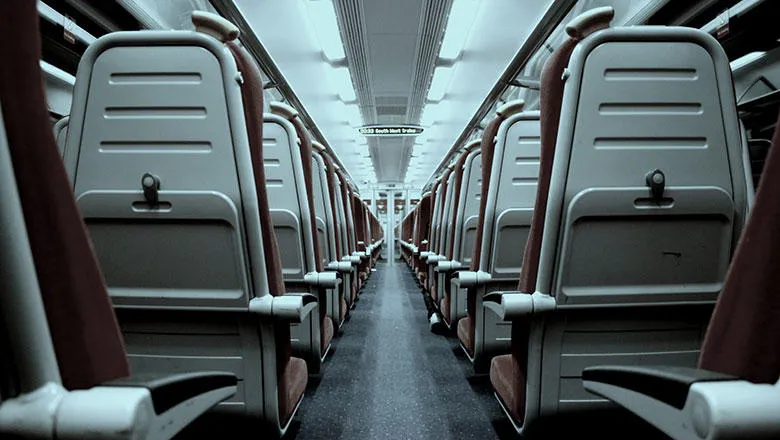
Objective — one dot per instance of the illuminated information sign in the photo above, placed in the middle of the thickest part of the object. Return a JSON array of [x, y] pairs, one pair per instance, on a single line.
[[390, 130]]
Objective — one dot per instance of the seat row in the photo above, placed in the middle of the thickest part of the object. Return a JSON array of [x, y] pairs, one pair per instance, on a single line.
[[187, 226], [600, 230]]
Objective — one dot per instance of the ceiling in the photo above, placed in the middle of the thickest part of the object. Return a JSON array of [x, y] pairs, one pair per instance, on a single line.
[[391, 49]]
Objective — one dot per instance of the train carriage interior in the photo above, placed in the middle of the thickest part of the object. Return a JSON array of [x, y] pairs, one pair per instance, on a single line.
[[400, 219]]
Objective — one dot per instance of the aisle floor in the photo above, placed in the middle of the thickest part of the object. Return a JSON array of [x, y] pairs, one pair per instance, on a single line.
[[389, 377]]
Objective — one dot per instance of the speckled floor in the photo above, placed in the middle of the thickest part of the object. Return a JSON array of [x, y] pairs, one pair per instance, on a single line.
[[389, 377]]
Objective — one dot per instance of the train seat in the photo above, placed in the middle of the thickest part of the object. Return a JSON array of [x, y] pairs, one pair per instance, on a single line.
[[641, 200], [287, 156], [429, 259], [510, 153], [735, 392], [461, 226], [166, 157], [329, 231], [65, 371]]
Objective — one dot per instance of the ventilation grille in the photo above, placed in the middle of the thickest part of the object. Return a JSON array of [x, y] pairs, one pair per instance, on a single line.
[[350, 13], [432, 24]]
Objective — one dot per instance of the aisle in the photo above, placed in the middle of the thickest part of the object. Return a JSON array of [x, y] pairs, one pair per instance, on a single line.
[[388, 377]]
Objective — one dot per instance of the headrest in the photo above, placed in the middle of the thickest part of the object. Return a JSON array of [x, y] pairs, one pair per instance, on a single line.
[[590, 21], [472, 145], [214, 25], [284, 110], [510, 108], [318, 146]]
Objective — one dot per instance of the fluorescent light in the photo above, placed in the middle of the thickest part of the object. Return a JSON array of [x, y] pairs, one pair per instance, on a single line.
[[326, 27], [746, 59], [442, 76], [458, 27], [343, 83]]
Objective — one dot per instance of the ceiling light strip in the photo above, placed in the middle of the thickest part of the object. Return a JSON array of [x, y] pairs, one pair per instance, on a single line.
[[229, 10], [555, 13]]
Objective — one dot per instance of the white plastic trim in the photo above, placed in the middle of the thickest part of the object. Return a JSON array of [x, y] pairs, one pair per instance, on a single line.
[[32, 414], [340, 266], [516, 305], [328, 280], [467, 278]]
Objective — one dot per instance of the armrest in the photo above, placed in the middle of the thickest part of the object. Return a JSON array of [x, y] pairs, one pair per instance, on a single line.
[[448, 266], [340, 266], [510, 306], [361, 254], [424, 255], [686, 403], [327, 280], [142, 406], [434, 258], [467, 278], [352, 259], [292, 307]]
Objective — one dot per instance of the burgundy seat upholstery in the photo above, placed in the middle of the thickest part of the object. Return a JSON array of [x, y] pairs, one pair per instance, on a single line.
[[86, 338], [440, 229], [457, 181], [351, 244], [292, 372], [742, 335], [507, 372], [466, 325], [332, 185], [326, 324], [422, 225]]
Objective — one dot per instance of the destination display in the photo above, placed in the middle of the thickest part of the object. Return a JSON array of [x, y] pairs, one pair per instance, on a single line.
[[390, 130]]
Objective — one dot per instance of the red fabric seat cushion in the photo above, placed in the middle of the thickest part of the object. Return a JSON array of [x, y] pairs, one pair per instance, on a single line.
[[508, 380], [295, 377], [466, 334]]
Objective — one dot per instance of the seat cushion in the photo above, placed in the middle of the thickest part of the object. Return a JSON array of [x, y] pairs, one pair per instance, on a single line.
[[509, 382], [444, 307], [342, 309], [327, 333], [465, 335], [295, 377]]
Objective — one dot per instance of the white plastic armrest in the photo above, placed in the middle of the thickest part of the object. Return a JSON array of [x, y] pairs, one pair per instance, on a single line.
[[327, 280], [448, 266], [352, 259], [138, 407], [361, 255], [340, 266], [292, 307], [467, 279], [434, 258], [686, 403], [510, 306], [424, 255]]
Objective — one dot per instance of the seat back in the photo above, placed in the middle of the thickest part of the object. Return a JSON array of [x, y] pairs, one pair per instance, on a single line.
[[288, 196], [79, 319], [447, 191], [617, 237], [647, 251], [511, 196], [165, 154], [327, 235], [467, 215]]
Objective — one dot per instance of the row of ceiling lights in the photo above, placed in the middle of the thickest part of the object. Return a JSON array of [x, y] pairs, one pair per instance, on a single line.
[[438, 107], [322, 16]]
